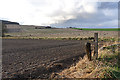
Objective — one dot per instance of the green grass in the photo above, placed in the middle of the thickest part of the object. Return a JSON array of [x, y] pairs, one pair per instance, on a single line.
[[109, 39], [98, 29], [109, 60]]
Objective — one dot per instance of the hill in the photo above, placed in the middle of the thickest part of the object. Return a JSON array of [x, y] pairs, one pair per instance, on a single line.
[[9, 22]]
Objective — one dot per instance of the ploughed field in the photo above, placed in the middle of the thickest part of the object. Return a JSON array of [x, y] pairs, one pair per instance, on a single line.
[[22, 58]]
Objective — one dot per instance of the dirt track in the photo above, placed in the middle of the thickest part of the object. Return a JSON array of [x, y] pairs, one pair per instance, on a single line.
[[39, 58]]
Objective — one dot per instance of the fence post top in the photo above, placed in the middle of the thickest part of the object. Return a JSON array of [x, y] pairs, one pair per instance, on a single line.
[[87, 43], [96, 33]]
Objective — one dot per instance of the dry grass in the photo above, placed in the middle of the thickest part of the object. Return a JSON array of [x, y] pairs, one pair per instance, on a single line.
[[104, 67], [83, 69]]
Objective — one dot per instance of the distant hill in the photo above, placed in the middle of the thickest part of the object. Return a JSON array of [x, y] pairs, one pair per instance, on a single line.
[[9, 22]]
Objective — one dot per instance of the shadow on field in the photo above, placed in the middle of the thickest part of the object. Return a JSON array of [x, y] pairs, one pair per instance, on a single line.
[[44, 72]]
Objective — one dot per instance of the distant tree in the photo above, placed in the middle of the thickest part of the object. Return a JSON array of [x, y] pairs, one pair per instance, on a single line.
[[70, 27], [48, 27]]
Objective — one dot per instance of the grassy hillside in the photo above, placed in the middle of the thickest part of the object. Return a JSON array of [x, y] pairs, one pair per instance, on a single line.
[[99, 29]]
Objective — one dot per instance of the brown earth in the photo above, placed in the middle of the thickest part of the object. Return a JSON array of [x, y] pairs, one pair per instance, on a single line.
[[39, 58]]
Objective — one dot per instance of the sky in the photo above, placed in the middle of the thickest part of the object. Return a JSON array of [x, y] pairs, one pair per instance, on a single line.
[[61, 13]]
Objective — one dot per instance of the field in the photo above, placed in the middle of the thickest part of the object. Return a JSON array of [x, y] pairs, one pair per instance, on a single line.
[[39, 58], [99, 29], [38, 53], [31, 31]]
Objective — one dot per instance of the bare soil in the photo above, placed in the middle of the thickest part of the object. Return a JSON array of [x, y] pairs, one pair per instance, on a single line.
[[22, 58]]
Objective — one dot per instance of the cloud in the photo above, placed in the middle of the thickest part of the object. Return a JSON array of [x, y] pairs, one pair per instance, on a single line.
[[58, 12], [106, 18], [108, 5], [44, 12], [15, 10]]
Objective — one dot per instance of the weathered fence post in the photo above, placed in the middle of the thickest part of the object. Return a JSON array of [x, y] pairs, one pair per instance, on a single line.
[[88, 50], [2, 29], [96, 45]]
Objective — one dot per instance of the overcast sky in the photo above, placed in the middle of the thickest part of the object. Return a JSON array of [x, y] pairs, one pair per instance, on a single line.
[[61, 13]]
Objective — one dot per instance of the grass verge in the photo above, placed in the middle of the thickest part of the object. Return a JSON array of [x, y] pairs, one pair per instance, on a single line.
[[106, 66], [54, 38], [65, 38]]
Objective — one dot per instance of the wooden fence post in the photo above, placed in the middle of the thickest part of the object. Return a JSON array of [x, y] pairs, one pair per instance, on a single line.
[[88, 50], [2, 29], [96, 45]]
